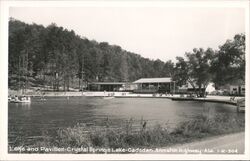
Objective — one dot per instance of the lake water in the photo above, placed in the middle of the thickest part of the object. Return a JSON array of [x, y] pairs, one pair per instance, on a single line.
[[32, 120]]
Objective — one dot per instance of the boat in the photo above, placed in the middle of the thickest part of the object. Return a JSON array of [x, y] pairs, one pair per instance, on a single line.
[[22, 99]]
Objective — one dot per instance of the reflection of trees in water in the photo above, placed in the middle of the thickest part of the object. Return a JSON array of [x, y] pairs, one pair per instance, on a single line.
[[44, 118], [24, 106], [208, 110]]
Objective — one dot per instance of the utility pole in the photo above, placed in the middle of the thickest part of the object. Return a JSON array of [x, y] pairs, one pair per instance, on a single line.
[[82, 73], [174, 87], [19, 86], [26, 71], [81, 77]]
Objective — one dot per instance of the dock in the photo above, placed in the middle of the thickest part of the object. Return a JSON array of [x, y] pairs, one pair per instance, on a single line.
[[204, 100]]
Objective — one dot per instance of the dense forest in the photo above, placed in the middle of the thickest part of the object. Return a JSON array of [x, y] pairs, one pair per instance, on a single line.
[[56, 57]]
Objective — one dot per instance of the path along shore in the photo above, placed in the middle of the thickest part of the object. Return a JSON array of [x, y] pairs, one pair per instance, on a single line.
[[209, 98], [226, 144]]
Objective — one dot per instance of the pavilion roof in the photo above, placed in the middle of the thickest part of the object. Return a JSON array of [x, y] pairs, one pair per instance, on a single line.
[[154, 80], [108, 83]]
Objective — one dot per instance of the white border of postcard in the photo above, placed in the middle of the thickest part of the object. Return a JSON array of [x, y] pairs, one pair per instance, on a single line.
[[4, 11]]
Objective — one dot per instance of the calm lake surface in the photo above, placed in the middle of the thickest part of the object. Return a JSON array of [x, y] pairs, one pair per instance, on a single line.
[[33, 120]]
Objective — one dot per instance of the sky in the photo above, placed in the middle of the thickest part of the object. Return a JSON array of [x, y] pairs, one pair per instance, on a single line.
[[153, 32]]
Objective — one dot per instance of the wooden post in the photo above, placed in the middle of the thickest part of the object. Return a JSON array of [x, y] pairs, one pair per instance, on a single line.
[[170, 87], [174, 87], [19, 85]]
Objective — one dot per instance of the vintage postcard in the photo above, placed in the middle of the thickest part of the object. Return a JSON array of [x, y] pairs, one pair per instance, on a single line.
[[136, 80]]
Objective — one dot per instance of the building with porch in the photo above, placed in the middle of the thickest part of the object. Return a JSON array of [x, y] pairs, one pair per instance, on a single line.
[[111, 86], [155, 85], [235, 87], [105, 86]]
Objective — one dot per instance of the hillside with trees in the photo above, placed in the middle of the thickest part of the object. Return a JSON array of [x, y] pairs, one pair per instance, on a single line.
[[56, 57]]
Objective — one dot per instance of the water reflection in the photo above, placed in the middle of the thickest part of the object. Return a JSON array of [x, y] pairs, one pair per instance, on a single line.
[[58, 112], [21, 105]]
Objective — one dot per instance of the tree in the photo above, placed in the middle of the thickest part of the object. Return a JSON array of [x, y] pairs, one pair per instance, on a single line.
[[158, 67], [56, 57], [229, 63], [181, 71], [195, 70], [124, 68], [168, 69], [199, 64]]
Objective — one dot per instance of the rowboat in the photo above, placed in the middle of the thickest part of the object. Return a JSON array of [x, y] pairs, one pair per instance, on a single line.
[[20, 100]]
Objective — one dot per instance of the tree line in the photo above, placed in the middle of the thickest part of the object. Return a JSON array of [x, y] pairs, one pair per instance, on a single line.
[[56, 57], [222, 67]]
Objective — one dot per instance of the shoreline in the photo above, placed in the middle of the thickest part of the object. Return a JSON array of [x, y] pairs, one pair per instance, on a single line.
[[186, 133], [175, 97]]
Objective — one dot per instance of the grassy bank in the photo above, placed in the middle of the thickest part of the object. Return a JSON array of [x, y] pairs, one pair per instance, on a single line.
[[129, 136]]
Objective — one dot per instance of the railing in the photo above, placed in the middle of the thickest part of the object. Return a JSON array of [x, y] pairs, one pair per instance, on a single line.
[[145, 91]]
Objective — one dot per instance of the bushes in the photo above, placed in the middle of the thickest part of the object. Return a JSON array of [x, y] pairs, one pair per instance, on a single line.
[[131, 136], [76, 136], [203, 125]]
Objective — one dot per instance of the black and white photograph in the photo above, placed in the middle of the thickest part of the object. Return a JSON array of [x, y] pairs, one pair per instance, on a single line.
[[116, 79]]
